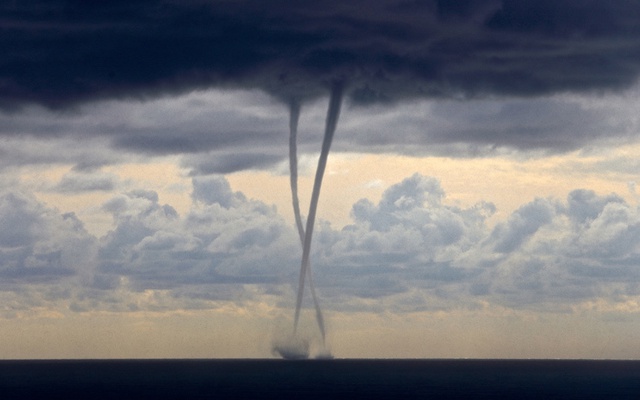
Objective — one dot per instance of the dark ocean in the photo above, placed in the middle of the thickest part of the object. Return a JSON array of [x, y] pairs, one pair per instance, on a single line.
[[320, 379]]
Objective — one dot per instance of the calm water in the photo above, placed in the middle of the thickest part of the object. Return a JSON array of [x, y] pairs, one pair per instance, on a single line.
[[320, 379]]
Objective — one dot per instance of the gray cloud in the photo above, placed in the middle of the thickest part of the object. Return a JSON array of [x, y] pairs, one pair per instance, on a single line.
[[40, 245], [212, 163], [213, 130], [488, 127], [223, 132], [586, 248], [75, 182], [522, 224], [409, 240], [410, 251], [417, 253], [225, 239]]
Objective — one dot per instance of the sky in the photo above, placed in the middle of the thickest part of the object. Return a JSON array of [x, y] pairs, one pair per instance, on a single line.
[[480, 198]]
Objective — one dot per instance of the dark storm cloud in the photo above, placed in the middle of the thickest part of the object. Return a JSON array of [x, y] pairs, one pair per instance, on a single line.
[[60, 52]]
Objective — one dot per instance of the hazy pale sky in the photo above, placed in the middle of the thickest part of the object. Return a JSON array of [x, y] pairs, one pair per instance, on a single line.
[[480, 199]]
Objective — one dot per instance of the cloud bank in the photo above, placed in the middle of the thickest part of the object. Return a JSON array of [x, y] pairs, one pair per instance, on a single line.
[[409, 252], [223, 132]]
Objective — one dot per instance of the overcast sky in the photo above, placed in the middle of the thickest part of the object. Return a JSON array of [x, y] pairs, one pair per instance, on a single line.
[[480, 198]]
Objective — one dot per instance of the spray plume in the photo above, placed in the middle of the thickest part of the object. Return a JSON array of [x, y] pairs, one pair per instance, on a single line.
[[333, 112], [294, 116]]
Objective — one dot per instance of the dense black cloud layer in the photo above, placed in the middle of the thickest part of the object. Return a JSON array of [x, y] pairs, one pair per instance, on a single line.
[[60, 52]]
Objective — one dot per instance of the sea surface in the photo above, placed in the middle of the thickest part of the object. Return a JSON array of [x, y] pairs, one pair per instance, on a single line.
[[320, 379]]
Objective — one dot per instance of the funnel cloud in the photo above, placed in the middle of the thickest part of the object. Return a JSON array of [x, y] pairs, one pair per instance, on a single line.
[[293, 172]]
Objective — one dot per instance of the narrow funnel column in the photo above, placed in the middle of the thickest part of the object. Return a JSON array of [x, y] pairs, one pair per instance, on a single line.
[[333, 113], [294, 116]]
